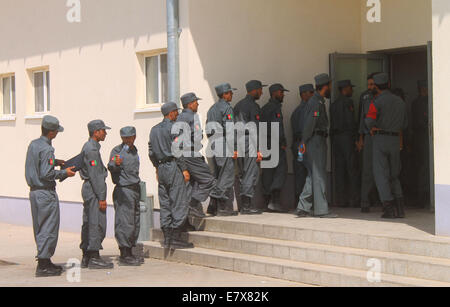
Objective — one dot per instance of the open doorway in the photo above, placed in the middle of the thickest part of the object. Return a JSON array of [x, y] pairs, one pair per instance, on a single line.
[[406, 66]]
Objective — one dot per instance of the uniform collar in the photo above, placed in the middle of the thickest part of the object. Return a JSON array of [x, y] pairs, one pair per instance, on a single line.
[[95, 143], [275, 101], [318, 96], [221, 100], [249, 97], [167, 120], [188, 111], [46, 139]]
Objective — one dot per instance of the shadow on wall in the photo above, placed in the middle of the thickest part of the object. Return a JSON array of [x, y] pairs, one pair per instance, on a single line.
[[102, 21]]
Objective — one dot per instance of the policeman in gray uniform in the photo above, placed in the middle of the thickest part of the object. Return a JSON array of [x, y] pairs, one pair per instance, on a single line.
[[124, 167], [365, 144], [94, 174], [314, 146], [421, 143], [297, 123], [343, 133], [246, 111], [222, 114], [173, 178], [202, 181], [40, 174], [387, 118], [273, 179]]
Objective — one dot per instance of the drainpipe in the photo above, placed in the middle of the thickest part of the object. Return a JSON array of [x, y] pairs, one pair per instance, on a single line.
[[173, 52]]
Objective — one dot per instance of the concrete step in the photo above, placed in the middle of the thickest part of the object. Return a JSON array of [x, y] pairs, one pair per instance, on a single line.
[[307, 273], [391, 263], [334, 233]]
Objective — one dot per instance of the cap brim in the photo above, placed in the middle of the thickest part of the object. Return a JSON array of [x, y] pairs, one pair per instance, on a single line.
[[106, 128], [60, 129], [285, 90], [264, 85]]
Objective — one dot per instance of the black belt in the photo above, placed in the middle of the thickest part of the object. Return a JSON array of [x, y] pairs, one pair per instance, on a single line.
[[321, 133], [43, 189], [136, 187], [381, 132], [166, 160]]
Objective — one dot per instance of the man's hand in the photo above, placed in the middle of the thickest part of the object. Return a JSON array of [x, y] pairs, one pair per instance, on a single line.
[[235, 156], [118, 160], [60, 162], [103, 205], [70, 171], [360, 144], [302, 148], [187, 176], [373, 130], [260, 157]]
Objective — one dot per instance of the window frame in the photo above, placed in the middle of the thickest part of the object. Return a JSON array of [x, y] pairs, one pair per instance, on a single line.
[[160, 83], [12, 98], [46, 99]]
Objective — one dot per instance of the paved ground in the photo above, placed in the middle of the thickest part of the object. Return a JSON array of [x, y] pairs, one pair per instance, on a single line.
[[17, 246]]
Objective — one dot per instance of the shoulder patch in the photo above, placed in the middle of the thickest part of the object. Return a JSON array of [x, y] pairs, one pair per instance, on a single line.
[[229, 116], [316, 114], [51, 162], [94, 163], [258, 117]]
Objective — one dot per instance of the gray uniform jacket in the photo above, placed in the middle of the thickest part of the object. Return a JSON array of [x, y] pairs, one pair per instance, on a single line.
[[316, 118], [272, 113], [93, 169], [222, 113], [40, 165], [194, 144], [342, 115], [128, 172], [246, 111], [160, 145], [388, 113]]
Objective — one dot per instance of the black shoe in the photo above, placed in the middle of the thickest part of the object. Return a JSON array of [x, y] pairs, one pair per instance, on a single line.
[[275, 203], [246, 207], [167, 237], [389, 211], [44, 269], [85, 260], [400, 208], [223, 210], [300, 213], [245, 211], [126, 258], [196, 209], [212, 208], [97, 263], [177, 242], [56, 267]]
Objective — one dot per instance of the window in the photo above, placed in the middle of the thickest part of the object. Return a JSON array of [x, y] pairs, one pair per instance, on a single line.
[[8, 95], [41, 91], [156, 79]]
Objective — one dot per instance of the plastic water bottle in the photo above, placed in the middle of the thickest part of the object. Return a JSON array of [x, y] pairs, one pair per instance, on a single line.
[[125, 149], [300, 156]]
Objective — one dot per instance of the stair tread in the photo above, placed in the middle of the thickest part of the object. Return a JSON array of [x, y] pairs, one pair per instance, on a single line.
[[307, 266], [331, 248]]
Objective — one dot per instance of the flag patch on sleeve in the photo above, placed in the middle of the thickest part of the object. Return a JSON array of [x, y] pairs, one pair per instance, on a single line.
[[52, 162], [230, 117], [316, 114], [94, 163], [257, 117]]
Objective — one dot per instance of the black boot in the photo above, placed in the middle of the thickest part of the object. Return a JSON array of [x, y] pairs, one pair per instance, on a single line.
[[126, 258], [85, 260], [56, 267], [400, 208], [97, 263], [212, 208], [167, 232], [246, 207], [177, 242], [389, 210], [45, 269], [275, 203], [196, 209], [223, 210]]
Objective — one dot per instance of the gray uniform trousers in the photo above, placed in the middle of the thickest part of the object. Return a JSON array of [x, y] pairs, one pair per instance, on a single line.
[[387, 166], [273, 179], [224, 172], [174, 195], [45, 214], [345, 166], [93, 231], [127, 216], [203, 182], [315, 186], [300, 170], [248, 175], [368, 180]]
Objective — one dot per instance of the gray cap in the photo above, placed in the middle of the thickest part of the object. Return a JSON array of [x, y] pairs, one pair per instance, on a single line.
[[422, 83], [168, 107], [306, 88], [51, 123], [345, 83], [277, 87], [97, 125], [127, 132], [188, 98], [254, 85], [381, 78], [322, 79], [224, 88]]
